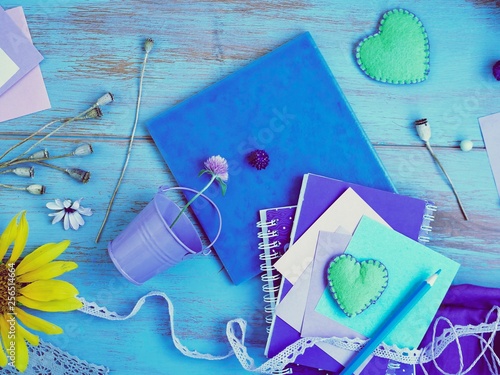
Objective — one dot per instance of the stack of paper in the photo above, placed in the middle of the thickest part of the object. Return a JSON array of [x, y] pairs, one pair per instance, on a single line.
[[350, 225], [22, 90]]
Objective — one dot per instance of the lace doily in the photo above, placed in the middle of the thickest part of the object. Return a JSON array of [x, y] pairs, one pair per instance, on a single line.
[[236, 331], [46, 359]]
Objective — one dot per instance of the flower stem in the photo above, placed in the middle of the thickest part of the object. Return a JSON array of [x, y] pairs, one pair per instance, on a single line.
[[427, 144], [124, 168], [54, 131], [192, 200], [12, 187], [27, 138], [28, 160], [49, 165]]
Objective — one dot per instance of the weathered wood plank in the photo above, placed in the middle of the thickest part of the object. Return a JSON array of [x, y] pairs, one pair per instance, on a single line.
[[95, 46]]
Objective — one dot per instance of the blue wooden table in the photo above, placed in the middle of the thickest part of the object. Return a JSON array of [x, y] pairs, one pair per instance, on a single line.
[[94, 46]]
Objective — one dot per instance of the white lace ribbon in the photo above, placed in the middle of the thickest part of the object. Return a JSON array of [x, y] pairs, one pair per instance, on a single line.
[[236, 331], [46, 359]]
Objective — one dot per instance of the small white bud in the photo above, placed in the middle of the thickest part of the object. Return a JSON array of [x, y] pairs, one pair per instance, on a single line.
[[36, 189], [105, 99], [466, 145], [78, 174], [93, 113], [43, 154], [24, 171], [148, 45], [423, 129], [83, 150]]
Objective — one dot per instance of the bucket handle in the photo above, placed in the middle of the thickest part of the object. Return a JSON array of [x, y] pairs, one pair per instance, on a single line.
[[206, 250]]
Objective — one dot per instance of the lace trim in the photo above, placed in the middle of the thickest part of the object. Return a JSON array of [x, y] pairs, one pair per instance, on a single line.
[[46, 359], [92, 308], [236, 331]]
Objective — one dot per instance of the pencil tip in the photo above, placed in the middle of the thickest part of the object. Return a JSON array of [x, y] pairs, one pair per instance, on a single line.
[[438, 271]]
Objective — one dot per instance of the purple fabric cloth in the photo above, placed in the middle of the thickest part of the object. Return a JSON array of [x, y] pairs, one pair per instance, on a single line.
[[463, 305]]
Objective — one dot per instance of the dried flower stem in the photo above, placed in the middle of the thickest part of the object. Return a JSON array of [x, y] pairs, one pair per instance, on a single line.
[[35, 189], [29, 160], [427, 144], [54, 131], [12, 187], [27, 138], [148, 47], [75, 173], [21, 171], [49, 165], [68, 155]]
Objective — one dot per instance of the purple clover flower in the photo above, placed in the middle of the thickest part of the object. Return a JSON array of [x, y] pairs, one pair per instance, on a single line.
[[217, 166]]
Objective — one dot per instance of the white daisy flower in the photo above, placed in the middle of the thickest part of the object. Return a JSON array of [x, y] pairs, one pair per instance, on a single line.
[[68, 211]]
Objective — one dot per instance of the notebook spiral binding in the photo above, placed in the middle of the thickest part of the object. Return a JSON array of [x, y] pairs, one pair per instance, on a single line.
[[428, 218], [269, 275], [274, 235]]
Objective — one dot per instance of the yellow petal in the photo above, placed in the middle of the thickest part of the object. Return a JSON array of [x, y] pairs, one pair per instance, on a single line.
[[68, 304], [41, 256], [3, 357], [7, 337], [4, 329], [30, 337], [21, 238], [49, 271], [8, 236], [21, 352], [36, 323], [49, 290]]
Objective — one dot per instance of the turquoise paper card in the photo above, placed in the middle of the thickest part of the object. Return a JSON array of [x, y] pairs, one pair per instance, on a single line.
[[408, 263]]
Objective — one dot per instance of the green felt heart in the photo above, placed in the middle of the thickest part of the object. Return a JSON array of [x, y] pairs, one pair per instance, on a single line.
[[399, 52], [356, 285]]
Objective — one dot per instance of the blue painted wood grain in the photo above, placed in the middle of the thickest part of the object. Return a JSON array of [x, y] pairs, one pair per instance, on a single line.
[[93, 46]]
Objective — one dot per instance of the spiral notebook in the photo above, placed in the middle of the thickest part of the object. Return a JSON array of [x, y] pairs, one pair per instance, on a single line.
[[275, 228], [317, 194]]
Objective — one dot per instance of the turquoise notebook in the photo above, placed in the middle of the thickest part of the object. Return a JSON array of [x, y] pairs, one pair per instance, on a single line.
[[286, 103]]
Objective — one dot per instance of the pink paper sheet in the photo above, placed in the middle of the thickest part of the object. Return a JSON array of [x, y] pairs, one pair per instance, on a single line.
[[29, 95]]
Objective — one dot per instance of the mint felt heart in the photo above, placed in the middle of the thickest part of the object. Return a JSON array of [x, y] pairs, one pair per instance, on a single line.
[[356, 285], [399, 52]]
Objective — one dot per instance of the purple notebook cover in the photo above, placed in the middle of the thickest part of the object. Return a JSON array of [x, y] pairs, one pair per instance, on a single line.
[[409, 216], [19, 49], [282, 220], [404, 214]]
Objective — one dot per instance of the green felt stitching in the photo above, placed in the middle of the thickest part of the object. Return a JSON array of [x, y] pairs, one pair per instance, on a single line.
[[399, 52], [356, 285]]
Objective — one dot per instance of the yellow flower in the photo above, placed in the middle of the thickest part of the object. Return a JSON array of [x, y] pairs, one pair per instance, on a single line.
[[29, 283]]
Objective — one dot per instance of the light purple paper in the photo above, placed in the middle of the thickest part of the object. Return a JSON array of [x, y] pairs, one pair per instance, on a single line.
[[490, 128], [29, 95], [293, 306], [19, 49], [329, 246]]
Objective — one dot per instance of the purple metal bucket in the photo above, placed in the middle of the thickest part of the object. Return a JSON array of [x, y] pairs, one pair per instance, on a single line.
[[148, 246]]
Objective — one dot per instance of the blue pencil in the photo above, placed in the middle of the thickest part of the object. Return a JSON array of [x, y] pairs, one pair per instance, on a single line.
[[392, 321]]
